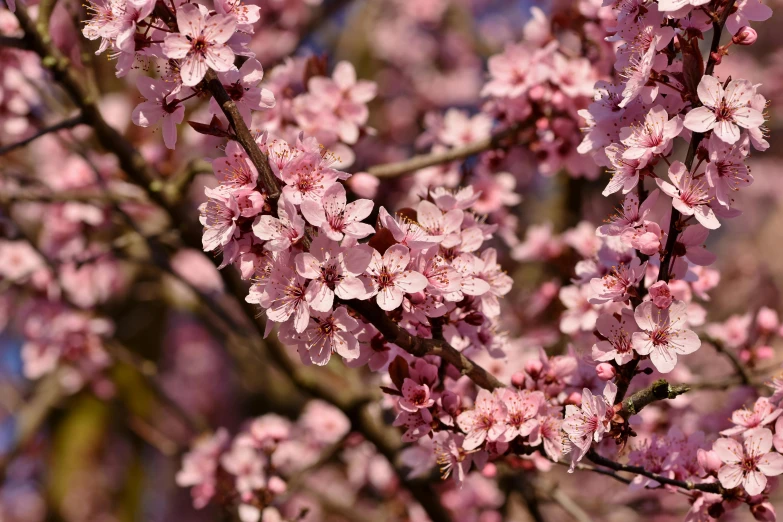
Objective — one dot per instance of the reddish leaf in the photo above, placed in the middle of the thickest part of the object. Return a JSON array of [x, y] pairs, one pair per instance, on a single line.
[[398, 371]]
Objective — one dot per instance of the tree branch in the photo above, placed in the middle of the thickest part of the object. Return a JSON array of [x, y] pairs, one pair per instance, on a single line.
[[657, 391], [65, 124], [393, 170], [712, 487]]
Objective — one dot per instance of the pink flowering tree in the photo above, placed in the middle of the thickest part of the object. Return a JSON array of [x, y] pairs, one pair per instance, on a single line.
[[303, 260]]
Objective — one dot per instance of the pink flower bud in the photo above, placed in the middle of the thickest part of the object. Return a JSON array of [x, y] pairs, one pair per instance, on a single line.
[[764, 512], [533, 367], [518, 379], [767, 319], [490, 470], [605, 371], [745, 36], [716, 57], [276, 485], [575, 398], [765, 352], [709, 460], [661, 295], [364, 185]]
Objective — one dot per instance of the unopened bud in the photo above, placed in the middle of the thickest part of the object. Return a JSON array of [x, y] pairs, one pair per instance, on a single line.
[[716, 58], [709, 460], [605, 371], [490, 470], [764, 512], [533, 367], [518, 379], [575, 398], [745, 36], [475, 319], [716, 510]]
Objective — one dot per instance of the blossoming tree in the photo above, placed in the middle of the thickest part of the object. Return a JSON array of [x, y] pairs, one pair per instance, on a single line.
[[333, 260]]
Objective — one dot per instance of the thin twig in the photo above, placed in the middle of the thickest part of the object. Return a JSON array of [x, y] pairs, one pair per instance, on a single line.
[[393, 170], [65, 124]]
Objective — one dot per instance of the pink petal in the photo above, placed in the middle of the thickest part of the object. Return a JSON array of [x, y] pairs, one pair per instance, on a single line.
[[344, 75], [771, 464], [192, 70], [176, 46], [190, 21], [220, 28], [710, 91], [748, 117], [729, 450], [700, 119], [727, 131], [219, 57], [411, 282], [389, 298], [730, 476], [754, 482]]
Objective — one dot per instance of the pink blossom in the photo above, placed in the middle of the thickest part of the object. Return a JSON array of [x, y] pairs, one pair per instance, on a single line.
[[637, 76], [161, 104], [724, 109], [588, 423], [661, 295], [415, 396], [417, 424], [334, 271], [390, 279], [242, 85], [614, 287], [677, 5], [763, 413], [335, 217], [652, 137], [346, 97], [199, 466], [200, 44], [726, 172], [486, 421], [625, 171], [281, 232], [750, 463], [285, 298], [308, 176], [329, 332], [247, 465], [219, 216], [617, 345], [746, 11], [663, 336], [522, 408], [690, 195]]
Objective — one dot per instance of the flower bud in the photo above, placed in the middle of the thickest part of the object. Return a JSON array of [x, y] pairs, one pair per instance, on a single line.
[[490, 470], [661, 295], [575, 398], [533, 367], [605, 371], [364, 185], [518, 379], [767, 319], [745, 36], [276, 485], [764, 353], [716, 58], [764, 512], [709, 460]]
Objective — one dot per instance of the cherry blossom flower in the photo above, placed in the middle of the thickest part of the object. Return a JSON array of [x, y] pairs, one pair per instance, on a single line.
[[242, 85], [346, 97], [690, 195], [616, 285], [329, 332], [337, 218], [616, 345], [219, 216], [247, 465], [201, 43], [750, 463], [587, 423], [199, 466], [651, 137], [162, 105], [763, 413], [283, 231], [661, 294], [486, 421], [285, 298], [726, 172], [334, 271], [637, 76], [746, 11], [522, 408], [417, 424], [724, 110], [390, 279], [625, 172], [308, 176], [663, 336], [415, 396]]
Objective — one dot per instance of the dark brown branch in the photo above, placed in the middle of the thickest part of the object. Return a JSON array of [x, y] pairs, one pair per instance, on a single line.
[[657, 391], [14, 43], [420, 347], [243, 136], [392, 170], [674, 229], [713, 487], [65, 124]]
